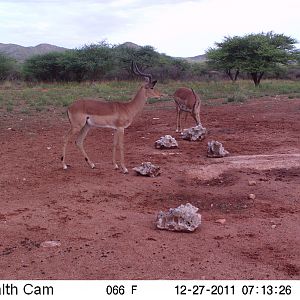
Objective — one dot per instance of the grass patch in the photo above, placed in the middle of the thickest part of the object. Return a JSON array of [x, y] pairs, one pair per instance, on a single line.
[[40, 97]]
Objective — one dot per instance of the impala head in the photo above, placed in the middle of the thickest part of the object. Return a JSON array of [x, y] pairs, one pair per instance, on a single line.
[[149, 83]]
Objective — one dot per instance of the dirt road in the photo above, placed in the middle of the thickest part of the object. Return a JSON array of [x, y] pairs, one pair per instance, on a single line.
[[103, 220]]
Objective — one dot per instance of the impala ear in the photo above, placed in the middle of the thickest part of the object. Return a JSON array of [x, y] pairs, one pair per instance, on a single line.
[[154, 83]]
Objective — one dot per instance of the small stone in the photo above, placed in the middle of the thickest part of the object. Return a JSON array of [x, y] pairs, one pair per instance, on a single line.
[[216, 149], [220, 221], [274, 226], [251, 182], [196, 133], [49, 244], [251, 196], [183, 218], [148, 169], [166, 142]]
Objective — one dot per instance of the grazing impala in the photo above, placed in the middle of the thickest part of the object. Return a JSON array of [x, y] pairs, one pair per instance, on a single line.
[[87, 113], [188, 101]]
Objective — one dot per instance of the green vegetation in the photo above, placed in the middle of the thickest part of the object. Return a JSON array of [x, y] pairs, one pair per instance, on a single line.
[[8, 68], [24, 99], [104, 71], [254, 54], [102, 62]]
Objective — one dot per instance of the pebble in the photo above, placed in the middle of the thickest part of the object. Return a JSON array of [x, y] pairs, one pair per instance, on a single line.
[[251, 196], [220, 221], [48, 244], [251, 182]]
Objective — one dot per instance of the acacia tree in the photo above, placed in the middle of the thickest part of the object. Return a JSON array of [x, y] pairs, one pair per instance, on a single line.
[[145, 56], [255, 54], [227, 56], [7, 67]]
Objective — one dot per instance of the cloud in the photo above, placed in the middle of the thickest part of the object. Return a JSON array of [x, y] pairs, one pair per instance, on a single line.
[[178, 28]]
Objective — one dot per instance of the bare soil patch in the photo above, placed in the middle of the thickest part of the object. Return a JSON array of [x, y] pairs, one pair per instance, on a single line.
[[101, 221]]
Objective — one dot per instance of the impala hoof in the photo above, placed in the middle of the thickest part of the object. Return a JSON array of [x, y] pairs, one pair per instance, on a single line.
[[125, 171]]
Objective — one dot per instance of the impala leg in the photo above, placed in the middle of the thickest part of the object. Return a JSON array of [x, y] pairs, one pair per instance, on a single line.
[[180, 123], [196, 117], [185, 118], [177, 119], [121, 147], [79, 142], [67, 137], [196, 113], [115, 145]]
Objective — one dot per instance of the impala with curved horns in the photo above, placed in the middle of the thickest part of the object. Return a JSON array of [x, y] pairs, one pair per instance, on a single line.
[[187, 101], [87, 113]]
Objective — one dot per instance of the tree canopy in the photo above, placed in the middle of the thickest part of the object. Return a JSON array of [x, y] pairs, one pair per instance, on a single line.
[[8, 67], [255, 54], [102, 62]]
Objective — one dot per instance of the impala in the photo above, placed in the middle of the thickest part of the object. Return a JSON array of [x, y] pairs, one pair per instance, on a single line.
[[87, 113], [188, 101]]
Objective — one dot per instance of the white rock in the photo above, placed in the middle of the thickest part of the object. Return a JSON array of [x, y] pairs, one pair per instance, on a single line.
[[182, 218], [148, 169], [166, 141], [196, 133], [216, 149]]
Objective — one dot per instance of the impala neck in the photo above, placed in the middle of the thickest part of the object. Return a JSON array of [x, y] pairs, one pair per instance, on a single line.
[[138, 102]]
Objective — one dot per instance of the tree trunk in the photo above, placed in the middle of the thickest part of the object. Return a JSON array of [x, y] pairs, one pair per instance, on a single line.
[[233, 78], [257, 76], [228, 72], [260, 77], [236, 74]]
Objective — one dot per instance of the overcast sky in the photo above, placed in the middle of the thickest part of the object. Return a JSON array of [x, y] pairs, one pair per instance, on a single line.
[[174, 27]]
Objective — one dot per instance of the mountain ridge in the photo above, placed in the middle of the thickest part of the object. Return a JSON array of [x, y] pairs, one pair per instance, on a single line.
[[21, 53]]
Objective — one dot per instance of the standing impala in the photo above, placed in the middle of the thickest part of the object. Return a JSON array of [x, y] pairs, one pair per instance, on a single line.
[[87, 113], [188, 101]]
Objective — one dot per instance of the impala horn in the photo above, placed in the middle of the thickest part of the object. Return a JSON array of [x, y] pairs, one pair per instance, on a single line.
[[137, 71]]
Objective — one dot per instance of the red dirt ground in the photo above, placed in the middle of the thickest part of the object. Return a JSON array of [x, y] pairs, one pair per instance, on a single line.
[[105, 220]]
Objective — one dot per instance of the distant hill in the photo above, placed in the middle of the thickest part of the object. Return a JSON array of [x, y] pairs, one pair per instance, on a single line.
[[198, 58], [21, 53], [130, 45]]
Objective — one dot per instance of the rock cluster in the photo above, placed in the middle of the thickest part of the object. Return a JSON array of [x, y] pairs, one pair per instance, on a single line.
[[167, 142], [216, 149], [182, 218], [196, 133], [147, 169]]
